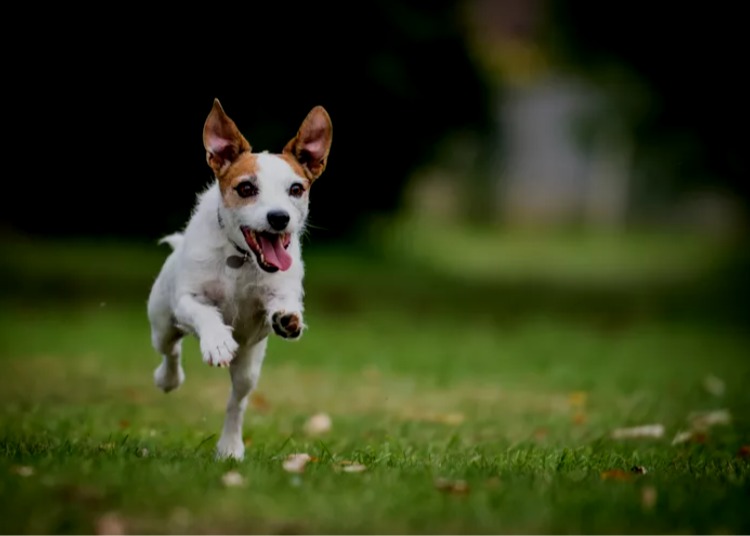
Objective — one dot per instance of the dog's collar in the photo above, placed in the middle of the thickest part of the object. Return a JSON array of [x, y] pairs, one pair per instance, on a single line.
[[234, 261]]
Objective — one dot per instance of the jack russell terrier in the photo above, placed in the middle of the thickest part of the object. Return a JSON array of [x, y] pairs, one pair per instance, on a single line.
[[235, 273]]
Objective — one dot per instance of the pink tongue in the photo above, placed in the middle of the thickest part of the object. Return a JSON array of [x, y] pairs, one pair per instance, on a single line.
[[274, 252]]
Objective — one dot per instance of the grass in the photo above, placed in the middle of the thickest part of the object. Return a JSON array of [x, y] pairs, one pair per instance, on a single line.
[[508, 379]]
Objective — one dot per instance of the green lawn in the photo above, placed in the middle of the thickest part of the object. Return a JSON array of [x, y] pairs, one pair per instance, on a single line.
[[480, 395]]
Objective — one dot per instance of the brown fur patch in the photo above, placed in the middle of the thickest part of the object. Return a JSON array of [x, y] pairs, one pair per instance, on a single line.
[[296, 167], [246, 165]]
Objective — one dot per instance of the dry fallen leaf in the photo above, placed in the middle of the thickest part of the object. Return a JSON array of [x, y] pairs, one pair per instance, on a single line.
[[180, 516], [179, 519], [259, 402], [349, 466], [110, 523], [133, 395], [689, 435], [318, 424], [232, 479], [699, 437], [354, 468], [90, 496], [295, 463], [577, 399], [648, 430], [616, 474], [714, 385], [22, 470], [682, 437], [371, 373], [492, 482], [454, 418], [648, 497], [456, 487], [702, 421], [579, 418]]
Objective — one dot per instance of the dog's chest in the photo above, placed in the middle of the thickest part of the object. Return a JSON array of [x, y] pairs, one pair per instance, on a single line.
[[241, 300]]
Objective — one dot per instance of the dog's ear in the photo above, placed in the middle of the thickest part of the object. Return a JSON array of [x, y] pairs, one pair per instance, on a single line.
[[312, 143], [222, 139]]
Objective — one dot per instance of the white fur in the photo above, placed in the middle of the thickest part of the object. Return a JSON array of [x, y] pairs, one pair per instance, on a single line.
[[230, 310]]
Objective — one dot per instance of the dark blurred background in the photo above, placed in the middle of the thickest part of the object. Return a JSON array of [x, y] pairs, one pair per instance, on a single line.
[[554, 154], [114, 105], [532, 113]]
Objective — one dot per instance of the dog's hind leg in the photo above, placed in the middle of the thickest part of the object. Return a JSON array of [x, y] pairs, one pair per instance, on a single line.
[[165, 336], [245, 372], [168, 342]]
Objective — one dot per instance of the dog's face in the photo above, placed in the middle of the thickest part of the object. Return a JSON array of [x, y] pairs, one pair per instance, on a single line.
[[265, 196]]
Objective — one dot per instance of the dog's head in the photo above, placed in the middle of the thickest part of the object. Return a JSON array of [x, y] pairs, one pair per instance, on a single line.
[[265, 196]]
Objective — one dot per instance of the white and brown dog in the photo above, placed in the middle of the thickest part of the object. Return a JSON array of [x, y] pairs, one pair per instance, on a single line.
[[236, 271]]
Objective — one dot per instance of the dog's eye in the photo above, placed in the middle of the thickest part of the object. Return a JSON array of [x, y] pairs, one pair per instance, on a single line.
[[296, 190], [246, 189]]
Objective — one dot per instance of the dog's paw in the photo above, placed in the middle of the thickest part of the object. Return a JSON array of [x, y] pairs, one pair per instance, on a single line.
[[218, 348], [287, 325], [230, 448], [167, 378]]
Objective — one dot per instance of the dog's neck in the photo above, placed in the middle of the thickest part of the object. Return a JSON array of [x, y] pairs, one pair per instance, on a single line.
[[234, 261]]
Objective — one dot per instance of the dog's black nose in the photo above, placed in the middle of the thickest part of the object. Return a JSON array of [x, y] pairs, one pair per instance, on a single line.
[[278, 219]]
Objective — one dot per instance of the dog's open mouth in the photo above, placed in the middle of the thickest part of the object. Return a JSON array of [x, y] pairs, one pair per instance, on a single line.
[[269, 249]]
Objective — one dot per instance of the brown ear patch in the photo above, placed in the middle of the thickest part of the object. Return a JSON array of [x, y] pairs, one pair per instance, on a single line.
[[311, 145], [223, 141]]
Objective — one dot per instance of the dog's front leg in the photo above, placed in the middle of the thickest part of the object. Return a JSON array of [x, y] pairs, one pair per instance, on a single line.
[[245, 372], [284, 310], [217, 344]]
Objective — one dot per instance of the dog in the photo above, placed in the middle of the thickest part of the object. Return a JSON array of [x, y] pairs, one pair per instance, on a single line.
[[235, 273]]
